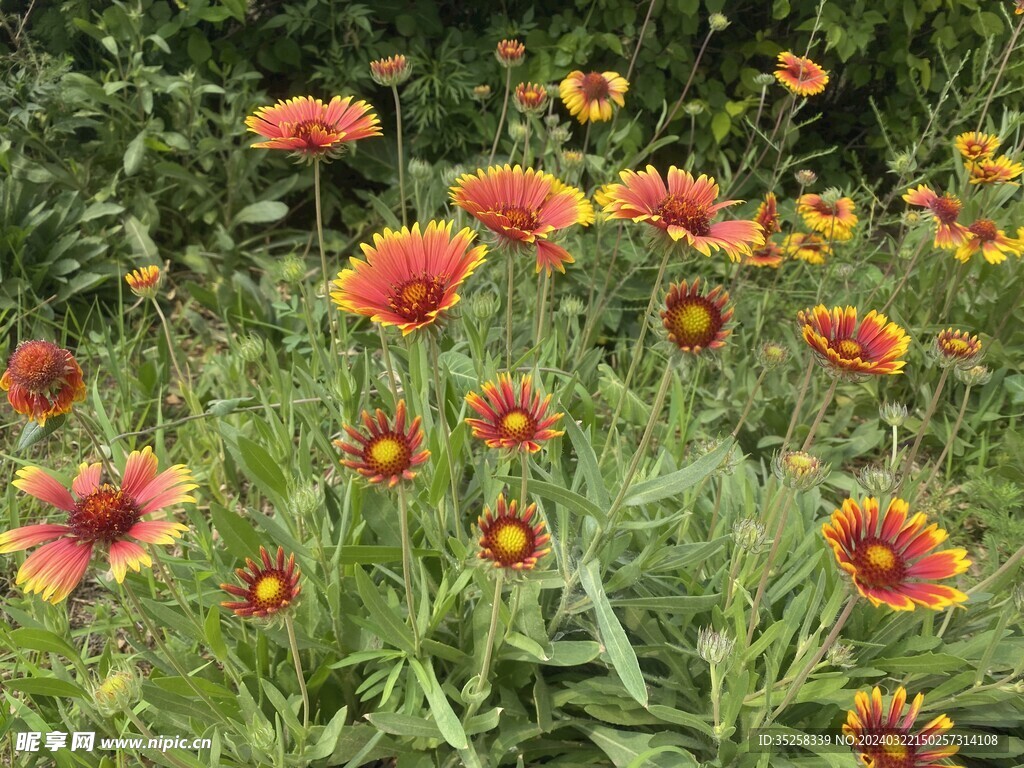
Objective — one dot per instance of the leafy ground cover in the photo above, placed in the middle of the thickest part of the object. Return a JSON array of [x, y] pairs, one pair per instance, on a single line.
[[617, 438]]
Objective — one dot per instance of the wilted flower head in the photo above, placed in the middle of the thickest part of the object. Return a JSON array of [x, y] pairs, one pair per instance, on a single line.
[[144, 282], [805, 177], [510, 53], [799, 470], [749, 535], [878, 480], [42, 380], [772, 354], [251, 348], [390, 71], [714, 647], [893, 414], [956, 347]]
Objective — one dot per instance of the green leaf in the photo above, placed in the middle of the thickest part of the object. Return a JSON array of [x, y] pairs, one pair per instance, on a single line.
[[45, 686], [587, 461], [398, 724], [238, 535], [720, 125], [619, 649], [556, 493], [134, 154], [214, 637], [935, 663], [678, 717], [262, 212], [564, 653], [257, 463], [459, 369], [369, 554], [44, 640], [677, 482], [139, 240], [444, 715], [329, 737], [383, 620], [33, 433], [674, 604]]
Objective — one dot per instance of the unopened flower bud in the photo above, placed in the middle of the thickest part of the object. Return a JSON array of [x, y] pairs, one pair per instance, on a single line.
[[560, 134], [841, 655], [117, 692], [718, 22], [714, 647], [903, 163], [772, 354], [509, 53], [251, 348], [530, 98], [292, 269], [911, 218], [956, 347], [261, 736], [571, 306], [893, 414], [144, 282], [452, 173], [517, 130], [1018, 598], [483, 306], [764, 79], [420, 170], [799, 470], [305, 501], [481, 92], [878, 480], [572, 159], [694, 108], [832, 195], [749, 535], [704, 446], [550, 121], [975, 376], [390, 71], [805, 177]]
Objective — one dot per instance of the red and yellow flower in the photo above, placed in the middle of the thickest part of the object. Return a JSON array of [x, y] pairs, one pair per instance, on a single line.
[[873, 346], [835, 220], [696, 320], [391, 71], [385, 452], [800, 75], [956, 347], [590, 96], [100, 516], [885, 738], [949, 233], [508, 539], [994, 170], [531, 98], [510, 53], [807, 246], [269, 588], [1018, 7], [985, 236], [888, 557], [311, 128], [683, 209], [523, 209], [512, 417], [768, 255], [410, 278], [144, 282], [974, 145], [42, 380], [768, 215]]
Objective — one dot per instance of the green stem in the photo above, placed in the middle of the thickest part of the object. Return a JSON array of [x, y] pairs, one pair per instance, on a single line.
[[999, 74], [787, 499], [401, 156], [485, 665], [446, 436], [821, 414], [501, 120], [799, 403], [331, 320], [635, 359], [524, 459], [290, 625], [184, 383], [800, 678], [908, 464], [390, 368], [508, 311], [403, 520], [750, 403]]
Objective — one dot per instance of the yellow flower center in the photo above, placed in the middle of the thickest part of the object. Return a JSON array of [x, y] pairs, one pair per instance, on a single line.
[[306, 128], [693, 322], [523, 219], [106, 514], [682, 212], [510, 540], [848, 349], [801, 463], [956, 347], [878, 564], [517, 425], [387, 455], [270, 592], [416, 298]]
